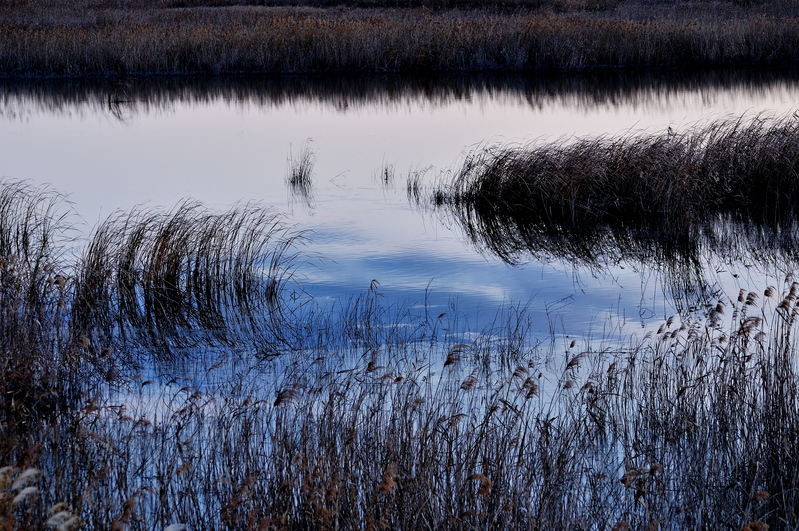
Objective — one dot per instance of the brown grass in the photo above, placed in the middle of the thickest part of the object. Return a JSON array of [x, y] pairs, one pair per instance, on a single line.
[[45, 39]]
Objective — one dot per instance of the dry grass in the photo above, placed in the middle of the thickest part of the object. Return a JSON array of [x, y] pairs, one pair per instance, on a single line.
[[380, 416], [671, 201], [46, 39], [170, 280], [666, 186]]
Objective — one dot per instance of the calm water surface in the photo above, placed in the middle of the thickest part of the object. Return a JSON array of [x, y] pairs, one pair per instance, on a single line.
[[158, 142]]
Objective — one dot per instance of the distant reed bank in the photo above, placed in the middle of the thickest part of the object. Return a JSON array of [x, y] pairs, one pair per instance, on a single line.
[[48, 39]]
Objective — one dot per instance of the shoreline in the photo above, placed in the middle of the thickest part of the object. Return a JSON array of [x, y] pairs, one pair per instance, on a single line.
[[42, 41]]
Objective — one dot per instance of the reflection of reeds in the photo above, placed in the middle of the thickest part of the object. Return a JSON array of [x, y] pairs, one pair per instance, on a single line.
[[650, 89], [51, 40]]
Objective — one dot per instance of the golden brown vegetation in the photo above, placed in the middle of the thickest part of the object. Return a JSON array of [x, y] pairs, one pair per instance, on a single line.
[[51, 39]]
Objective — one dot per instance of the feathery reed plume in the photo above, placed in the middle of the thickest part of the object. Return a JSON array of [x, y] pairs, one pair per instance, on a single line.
[[575, 361], [469, 383], [454, 354], [485, 484], [388, 482]]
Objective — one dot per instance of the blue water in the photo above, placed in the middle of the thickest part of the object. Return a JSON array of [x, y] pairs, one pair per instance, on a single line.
[[228, 143]]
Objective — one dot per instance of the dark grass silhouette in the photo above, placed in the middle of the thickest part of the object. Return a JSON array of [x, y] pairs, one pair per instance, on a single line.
[[48, 39]]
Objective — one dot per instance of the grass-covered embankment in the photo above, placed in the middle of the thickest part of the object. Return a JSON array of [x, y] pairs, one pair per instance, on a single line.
[[40, 38]]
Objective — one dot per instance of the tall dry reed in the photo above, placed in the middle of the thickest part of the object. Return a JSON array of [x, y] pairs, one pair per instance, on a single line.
[[692, 426], [49, 40]]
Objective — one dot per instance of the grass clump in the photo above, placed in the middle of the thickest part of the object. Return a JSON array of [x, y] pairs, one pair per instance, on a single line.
[[674, 180], [726, 190], [186, 277], [300, 173], [148, 286], [669, 186]]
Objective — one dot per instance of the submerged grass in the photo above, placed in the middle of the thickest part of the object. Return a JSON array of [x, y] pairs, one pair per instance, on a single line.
[[44, 38]]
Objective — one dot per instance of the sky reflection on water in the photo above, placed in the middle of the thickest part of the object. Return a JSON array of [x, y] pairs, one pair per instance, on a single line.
[[223, 142]]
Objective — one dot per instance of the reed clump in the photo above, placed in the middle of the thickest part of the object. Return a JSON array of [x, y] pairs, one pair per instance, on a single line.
[[670, 201], [147, 287], [669, 185], [170, 280], [299, 174], [46, 39]]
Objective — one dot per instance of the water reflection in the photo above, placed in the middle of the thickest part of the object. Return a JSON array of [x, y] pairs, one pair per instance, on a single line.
[[689, 262], [664, 200], [114, 144], [366, 375], [130, 97]]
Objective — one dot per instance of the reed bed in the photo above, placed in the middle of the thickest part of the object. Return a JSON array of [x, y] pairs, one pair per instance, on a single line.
[[34, 297], [693, 426], [378, 416], [682, 203], [42, 39]]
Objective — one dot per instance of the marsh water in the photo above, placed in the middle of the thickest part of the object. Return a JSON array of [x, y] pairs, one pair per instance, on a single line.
[[152, 143]]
